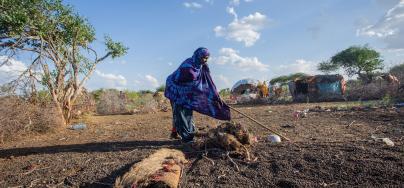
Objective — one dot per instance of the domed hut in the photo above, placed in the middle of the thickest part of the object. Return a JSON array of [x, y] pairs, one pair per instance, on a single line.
[[245, 90]]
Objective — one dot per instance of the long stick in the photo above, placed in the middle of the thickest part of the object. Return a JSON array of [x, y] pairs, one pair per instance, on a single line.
[[262, 125]]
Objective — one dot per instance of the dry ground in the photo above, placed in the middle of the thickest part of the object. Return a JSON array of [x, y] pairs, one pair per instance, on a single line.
[[328, 149]]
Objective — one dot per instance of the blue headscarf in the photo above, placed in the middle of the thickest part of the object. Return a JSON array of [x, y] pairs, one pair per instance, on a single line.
[[191, 86]]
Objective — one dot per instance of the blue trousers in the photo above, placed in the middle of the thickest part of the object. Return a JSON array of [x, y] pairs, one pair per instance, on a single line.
[[183, 122]]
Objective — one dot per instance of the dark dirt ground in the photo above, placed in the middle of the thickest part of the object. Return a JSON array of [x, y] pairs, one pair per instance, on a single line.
[[328, 149]]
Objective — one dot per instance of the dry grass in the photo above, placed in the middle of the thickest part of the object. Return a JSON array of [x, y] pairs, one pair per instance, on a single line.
[[112, 102], [19, 117], [373, 91], [84, 104]]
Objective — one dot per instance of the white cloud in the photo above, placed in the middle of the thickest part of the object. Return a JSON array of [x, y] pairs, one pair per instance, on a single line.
[[231, 11], [300, 65], [230, 56], [237, 2], [10, 69], [245, 30], [111, 80], [152, 81], [390, 28], [234, 2], [192, 5]]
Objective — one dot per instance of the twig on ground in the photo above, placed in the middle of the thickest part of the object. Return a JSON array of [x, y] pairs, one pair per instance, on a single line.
[[34, 169], [231, 160], [350, 124], [132, 151], [248, 153], [205, 157], [33, 183]]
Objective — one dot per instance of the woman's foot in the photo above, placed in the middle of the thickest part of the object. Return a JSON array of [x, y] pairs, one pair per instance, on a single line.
[[174, 135]]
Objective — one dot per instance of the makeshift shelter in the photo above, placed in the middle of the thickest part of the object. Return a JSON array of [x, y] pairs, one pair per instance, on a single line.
[[317, 88], [245, 90]]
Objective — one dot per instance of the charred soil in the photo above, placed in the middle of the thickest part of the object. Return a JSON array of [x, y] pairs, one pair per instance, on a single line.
[[331, 147]]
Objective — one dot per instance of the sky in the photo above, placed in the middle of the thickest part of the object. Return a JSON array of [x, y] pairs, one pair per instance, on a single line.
[[258, 39]]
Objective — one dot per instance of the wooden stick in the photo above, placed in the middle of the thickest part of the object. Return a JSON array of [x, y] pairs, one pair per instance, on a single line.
[[262, 125], [234, 163]]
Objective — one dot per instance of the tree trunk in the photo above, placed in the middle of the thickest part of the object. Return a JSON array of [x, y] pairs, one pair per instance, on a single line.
[[60, 111], [67, 111]]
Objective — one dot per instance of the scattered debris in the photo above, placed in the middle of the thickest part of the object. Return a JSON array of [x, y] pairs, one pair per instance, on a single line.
[[300, 114], [161, 169], [287, 125], [78, 126], [255, 139], [274, 138], [350, 124], [387, 141]]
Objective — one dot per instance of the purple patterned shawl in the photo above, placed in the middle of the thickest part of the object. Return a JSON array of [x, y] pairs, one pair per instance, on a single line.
[[192, 87]]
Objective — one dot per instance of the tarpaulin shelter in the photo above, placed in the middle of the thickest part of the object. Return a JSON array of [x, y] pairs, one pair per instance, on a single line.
[[245, 86], [244, 90], [317, 88]]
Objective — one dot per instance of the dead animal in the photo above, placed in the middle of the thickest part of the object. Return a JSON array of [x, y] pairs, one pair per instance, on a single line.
[[231, 137], [161, 169]]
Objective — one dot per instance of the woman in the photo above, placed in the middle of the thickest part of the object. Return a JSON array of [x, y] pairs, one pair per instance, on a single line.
[[190, 88]]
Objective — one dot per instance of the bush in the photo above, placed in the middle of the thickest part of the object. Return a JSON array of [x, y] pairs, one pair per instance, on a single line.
[[398, 71], [112, 102], [225, 93], [96, 94], [161, 88], [19, 117], [375, 90], [145, 103], [84, 104]]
